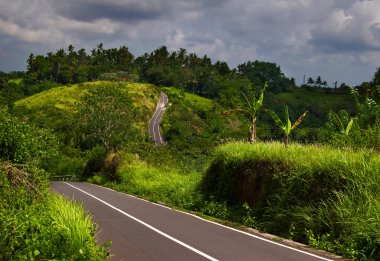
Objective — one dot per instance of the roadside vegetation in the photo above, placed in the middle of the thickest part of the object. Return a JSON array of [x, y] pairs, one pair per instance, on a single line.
[[335, 210], [86, 115], [36, 224]]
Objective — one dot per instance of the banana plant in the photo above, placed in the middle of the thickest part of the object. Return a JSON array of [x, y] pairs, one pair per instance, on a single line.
[[286, 126], [251, 112], [334, 117]]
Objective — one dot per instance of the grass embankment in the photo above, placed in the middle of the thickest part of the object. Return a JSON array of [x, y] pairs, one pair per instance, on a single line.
[[325, 197], [38, 225]]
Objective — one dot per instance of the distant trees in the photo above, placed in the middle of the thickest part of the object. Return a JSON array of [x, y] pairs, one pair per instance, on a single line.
[[73, 66], [260, 72], [317, 82], [370, 89], [180, 69]]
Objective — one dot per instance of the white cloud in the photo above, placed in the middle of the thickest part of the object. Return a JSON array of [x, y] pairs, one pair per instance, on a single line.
[[24, 34]]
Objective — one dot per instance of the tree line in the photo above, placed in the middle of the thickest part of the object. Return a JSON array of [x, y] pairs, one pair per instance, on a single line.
[[180, 69]]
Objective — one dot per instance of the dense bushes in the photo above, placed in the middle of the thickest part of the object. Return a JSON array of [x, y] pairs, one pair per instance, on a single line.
[[326, 197], [35, 224], [24, 144]]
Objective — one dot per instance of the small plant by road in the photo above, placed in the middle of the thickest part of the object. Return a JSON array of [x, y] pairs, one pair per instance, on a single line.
[[251, 112], [286, 126]]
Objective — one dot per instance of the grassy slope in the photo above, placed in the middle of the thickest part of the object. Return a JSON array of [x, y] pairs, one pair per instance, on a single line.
[[55, 107], [195, 100]]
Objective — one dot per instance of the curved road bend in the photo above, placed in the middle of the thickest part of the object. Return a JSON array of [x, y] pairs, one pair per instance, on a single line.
[[140, 230], [154, 122]]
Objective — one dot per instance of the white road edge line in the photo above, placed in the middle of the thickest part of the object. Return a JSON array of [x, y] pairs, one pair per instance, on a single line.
[[147, 225], [230, 228]]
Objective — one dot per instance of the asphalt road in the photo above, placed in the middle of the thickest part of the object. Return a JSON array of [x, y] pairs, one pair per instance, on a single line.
[[154, 122], [140, 230]]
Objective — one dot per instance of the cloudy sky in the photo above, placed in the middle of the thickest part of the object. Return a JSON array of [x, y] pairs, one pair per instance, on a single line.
[[337, 39]]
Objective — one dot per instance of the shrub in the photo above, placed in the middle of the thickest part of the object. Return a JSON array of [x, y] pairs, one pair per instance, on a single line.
[[95, 161], [111, 163], [23, 143]]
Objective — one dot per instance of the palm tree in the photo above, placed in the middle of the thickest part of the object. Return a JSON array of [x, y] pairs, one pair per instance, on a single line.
[[318, 81], [251, 112], [310, 81]]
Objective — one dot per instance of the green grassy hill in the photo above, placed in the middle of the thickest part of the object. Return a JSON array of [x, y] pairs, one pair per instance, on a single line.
[[192, 124], [55, 108]]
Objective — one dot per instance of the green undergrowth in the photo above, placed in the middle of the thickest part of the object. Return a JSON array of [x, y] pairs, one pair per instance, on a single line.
[[177, 187], [318, 102], [36, 224], [328, 198]]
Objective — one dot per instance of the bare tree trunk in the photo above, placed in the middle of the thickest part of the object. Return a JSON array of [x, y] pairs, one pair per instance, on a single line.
[[252, 131]]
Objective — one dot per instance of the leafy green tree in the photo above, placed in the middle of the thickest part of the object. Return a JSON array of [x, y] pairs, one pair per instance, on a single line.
[[222, 68], [286, 126], [376, 77], [106, 114], [22, 143], [260, 72], [251, 112], [368, 110]]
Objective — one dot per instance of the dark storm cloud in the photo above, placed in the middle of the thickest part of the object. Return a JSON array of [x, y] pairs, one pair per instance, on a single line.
[[90, 11], [130, 11]]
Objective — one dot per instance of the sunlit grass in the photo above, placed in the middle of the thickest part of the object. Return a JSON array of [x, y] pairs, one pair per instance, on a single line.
[[57, 107], [160, 185], [195, 100], [326, 197], [73, 223]]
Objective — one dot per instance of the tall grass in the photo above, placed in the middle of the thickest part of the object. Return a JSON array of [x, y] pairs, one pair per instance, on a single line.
[[177, 187], [327, 197], [75, 227], [38, 225], [160, 185]]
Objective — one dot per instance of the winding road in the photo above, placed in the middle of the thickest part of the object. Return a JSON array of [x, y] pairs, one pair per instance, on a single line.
[[154, 122], [140, 230]]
